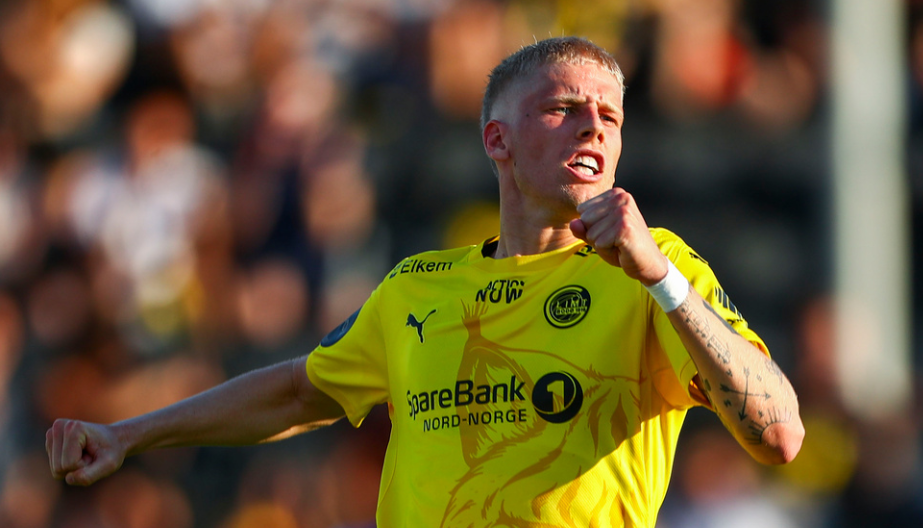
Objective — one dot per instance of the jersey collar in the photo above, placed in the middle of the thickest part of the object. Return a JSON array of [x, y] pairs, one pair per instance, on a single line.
[[481, 257]]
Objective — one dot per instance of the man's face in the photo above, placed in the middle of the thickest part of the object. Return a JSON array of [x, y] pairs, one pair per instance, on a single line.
[[563, 132]]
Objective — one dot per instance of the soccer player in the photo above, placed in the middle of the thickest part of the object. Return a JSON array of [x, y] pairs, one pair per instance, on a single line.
[[538, 378]]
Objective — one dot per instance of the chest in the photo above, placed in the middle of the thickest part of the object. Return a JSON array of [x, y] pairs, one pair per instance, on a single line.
[[506, 329]]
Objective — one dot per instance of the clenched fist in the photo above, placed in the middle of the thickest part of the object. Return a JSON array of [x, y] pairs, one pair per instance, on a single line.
[[82, 453], [612, 224]]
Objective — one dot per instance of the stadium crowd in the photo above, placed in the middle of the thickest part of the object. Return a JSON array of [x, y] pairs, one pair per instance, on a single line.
[[192, 189]]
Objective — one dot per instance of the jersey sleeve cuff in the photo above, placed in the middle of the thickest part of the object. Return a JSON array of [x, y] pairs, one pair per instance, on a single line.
[[354, 414]]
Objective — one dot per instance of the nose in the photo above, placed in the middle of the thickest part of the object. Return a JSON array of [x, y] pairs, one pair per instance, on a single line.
[[591, 126]]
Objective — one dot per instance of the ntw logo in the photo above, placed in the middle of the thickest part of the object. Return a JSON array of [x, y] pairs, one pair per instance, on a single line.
[[500, 290]]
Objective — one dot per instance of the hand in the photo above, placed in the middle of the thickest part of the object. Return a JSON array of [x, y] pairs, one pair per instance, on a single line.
[[612, 224], [82, 453]]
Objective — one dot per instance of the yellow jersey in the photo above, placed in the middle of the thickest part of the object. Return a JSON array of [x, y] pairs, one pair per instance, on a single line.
[[544, 390]]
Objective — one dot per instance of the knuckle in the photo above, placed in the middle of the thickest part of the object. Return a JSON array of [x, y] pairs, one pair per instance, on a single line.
[[72, 427]]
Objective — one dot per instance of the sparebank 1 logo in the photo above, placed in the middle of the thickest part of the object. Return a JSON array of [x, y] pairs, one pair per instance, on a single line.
[[557, 397]]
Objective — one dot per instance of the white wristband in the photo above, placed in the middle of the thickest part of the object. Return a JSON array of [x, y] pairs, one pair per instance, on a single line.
[[672, 290]]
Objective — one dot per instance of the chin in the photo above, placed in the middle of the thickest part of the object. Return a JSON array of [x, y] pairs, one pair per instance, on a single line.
[[577, 194]]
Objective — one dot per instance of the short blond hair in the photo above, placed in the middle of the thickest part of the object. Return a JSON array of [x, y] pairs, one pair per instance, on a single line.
[[571, 50]]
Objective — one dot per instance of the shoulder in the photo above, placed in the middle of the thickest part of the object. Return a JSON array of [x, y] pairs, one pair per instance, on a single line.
[[430, 262], [677, 250]]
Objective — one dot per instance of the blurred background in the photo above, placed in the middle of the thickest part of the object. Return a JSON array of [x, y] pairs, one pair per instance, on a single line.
[[190, 189]]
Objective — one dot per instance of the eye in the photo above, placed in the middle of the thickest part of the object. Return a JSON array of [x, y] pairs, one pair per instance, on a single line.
[[563, 110], [611, 119]]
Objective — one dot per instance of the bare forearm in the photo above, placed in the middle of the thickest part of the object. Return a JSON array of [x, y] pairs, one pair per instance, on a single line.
[[263, 405], [748, 391], [259, 406]]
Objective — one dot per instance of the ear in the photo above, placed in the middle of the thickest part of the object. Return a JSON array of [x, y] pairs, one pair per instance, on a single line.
[[494, 137]]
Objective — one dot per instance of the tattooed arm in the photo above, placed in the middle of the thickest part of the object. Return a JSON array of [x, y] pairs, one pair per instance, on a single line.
[[748, 391]]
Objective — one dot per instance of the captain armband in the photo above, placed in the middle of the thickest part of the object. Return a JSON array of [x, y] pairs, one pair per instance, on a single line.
[[672, 290]]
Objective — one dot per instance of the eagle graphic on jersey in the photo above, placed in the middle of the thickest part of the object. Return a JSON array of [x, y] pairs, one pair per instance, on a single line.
[[501, 457]]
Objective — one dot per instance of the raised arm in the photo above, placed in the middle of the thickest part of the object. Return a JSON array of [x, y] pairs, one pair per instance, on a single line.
[[748, 391], [264, 405]]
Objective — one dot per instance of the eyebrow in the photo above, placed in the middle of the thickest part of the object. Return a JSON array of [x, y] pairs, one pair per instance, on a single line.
[[581, 100]]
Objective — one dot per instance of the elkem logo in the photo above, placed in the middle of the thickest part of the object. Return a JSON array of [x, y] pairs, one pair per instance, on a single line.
[[557, 397], [567, 306]]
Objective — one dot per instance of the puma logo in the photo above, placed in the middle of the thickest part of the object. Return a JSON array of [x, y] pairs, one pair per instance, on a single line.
[[412, 321]]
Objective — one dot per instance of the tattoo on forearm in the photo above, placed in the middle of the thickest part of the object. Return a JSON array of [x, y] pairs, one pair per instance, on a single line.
[[755, 394], [773, 367], [702, 329], [698, 323], [766, 419], [720, 348], [722, 319], [745, 394]]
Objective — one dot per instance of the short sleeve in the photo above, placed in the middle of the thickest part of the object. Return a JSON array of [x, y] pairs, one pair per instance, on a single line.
[[350, 363], [703, 279]]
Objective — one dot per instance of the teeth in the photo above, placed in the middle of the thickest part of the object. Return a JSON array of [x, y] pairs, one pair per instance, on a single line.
[[587, 162]]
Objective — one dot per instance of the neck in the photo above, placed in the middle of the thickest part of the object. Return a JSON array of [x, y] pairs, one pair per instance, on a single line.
[[524, 235]]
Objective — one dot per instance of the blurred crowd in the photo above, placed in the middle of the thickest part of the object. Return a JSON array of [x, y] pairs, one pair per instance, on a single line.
[[190, 189]]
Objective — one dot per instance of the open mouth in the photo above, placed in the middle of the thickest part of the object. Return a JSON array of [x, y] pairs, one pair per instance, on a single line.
[[586, 165]]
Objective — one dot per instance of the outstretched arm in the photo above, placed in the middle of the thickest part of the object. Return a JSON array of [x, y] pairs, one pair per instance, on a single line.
[[748, 391], [264, 405]]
